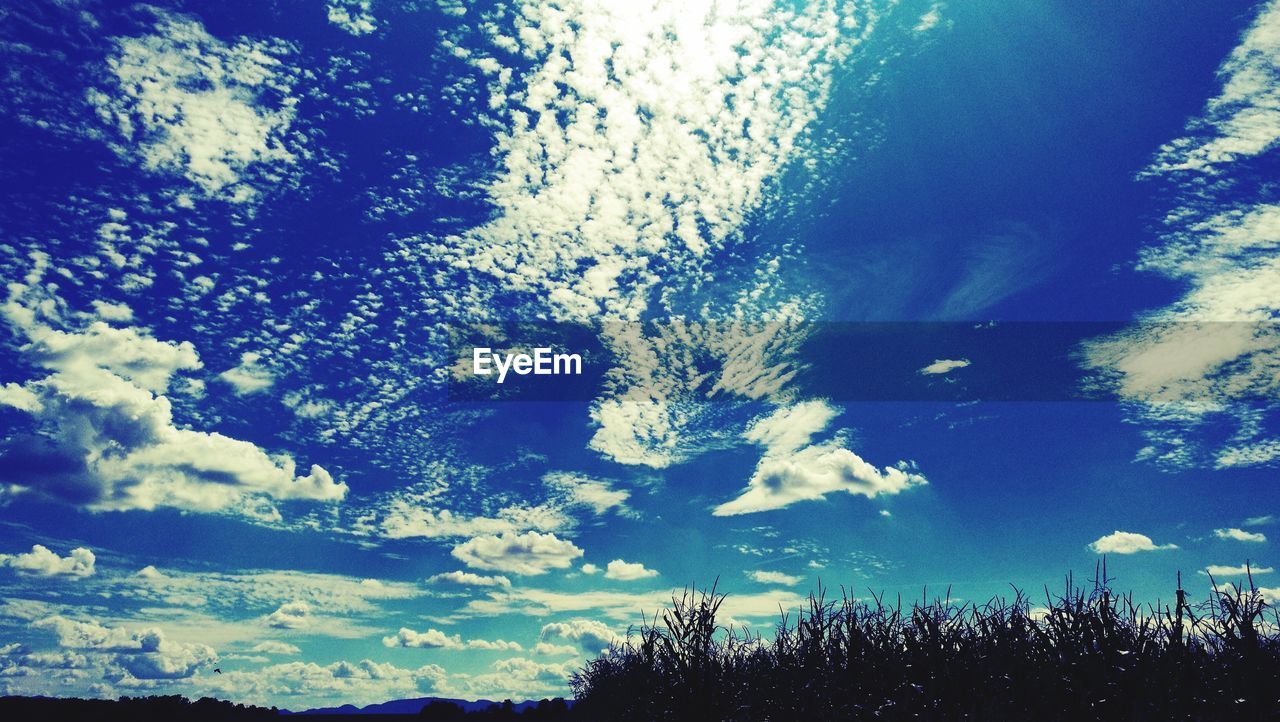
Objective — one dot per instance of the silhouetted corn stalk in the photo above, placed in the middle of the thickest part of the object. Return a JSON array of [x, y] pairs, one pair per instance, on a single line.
[[1089, 654]]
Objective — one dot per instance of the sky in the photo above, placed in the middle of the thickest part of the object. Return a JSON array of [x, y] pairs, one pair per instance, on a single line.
[[921, 298]]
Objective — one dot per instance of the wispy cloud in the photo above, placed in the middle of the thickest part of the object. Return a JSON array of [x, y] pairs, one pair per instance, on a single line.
[[773, 577], [1240, 535], [1225, 570]]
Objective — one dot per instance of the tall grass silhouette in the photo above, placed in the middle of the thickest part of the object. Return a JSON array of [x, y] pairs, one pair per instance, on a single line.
[[1087, 654]]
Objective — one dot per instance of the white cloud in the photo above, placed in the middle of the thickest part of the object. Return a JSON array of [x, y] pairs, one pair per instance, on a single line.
[[589, 635], [361, 683], [275, 646], [1240, 535], [1223, 570], [435, 639], [930, 19], [516, 677], [145, 653], [249, 377], [494, 645], [671, 382], [590, 568], [1210, 356], [599, 496], [430, 639], [792, 471], [1127, 542], [791, 427], [405, 520], [622, 606], [184, 101], [107, 438], [1259, 520], [811, 474], [353, 16], [554, 650], [627, 571], [612, 171], [772, 577], [1244, 119], [112, 311], [266, 591], [469, 579], [41, 561], [291, 615], [943, 366], [529, 553]]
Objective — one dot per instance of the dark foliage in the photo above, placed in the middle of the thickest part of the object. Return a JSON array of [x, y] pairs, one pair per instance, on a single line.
[[1087, 655], [546, 709], [143, 709]]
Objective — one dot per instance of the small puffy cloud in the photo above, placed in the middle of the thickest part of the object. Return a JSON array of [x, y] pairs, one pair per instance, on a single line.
[[353, 16], [627, 571], [943, 366], [1224, 570], [929, 20], [250, 377], [112, 311], [589, 635], [435, 639], [771, 577], [290, 615], [150, 573], [1127, 542], [275, 646], [811, 474], [590, 568], [40, 561], [469, 579], [430, 639], [793, 470], [1240, 535], [530, 553]]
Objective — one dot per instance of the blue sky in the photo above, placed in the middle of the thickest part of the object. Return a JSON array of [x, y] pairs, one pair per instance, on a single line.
[[894, 296]]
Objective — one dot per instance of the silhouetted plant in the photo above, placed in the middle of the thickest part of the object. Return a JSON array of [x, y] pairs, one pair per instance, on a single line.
[[1088, 654]]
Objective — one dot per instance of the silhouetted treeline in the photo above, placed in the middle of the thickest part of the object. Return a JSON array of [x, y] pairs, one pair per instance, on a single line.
[[547, 709], [175, 708], [1083, 656], [143, 709]]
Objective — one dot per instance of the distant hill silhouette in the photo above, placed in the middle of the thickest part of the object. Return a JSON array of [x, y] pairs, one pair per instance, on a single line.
[[529, 709]]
